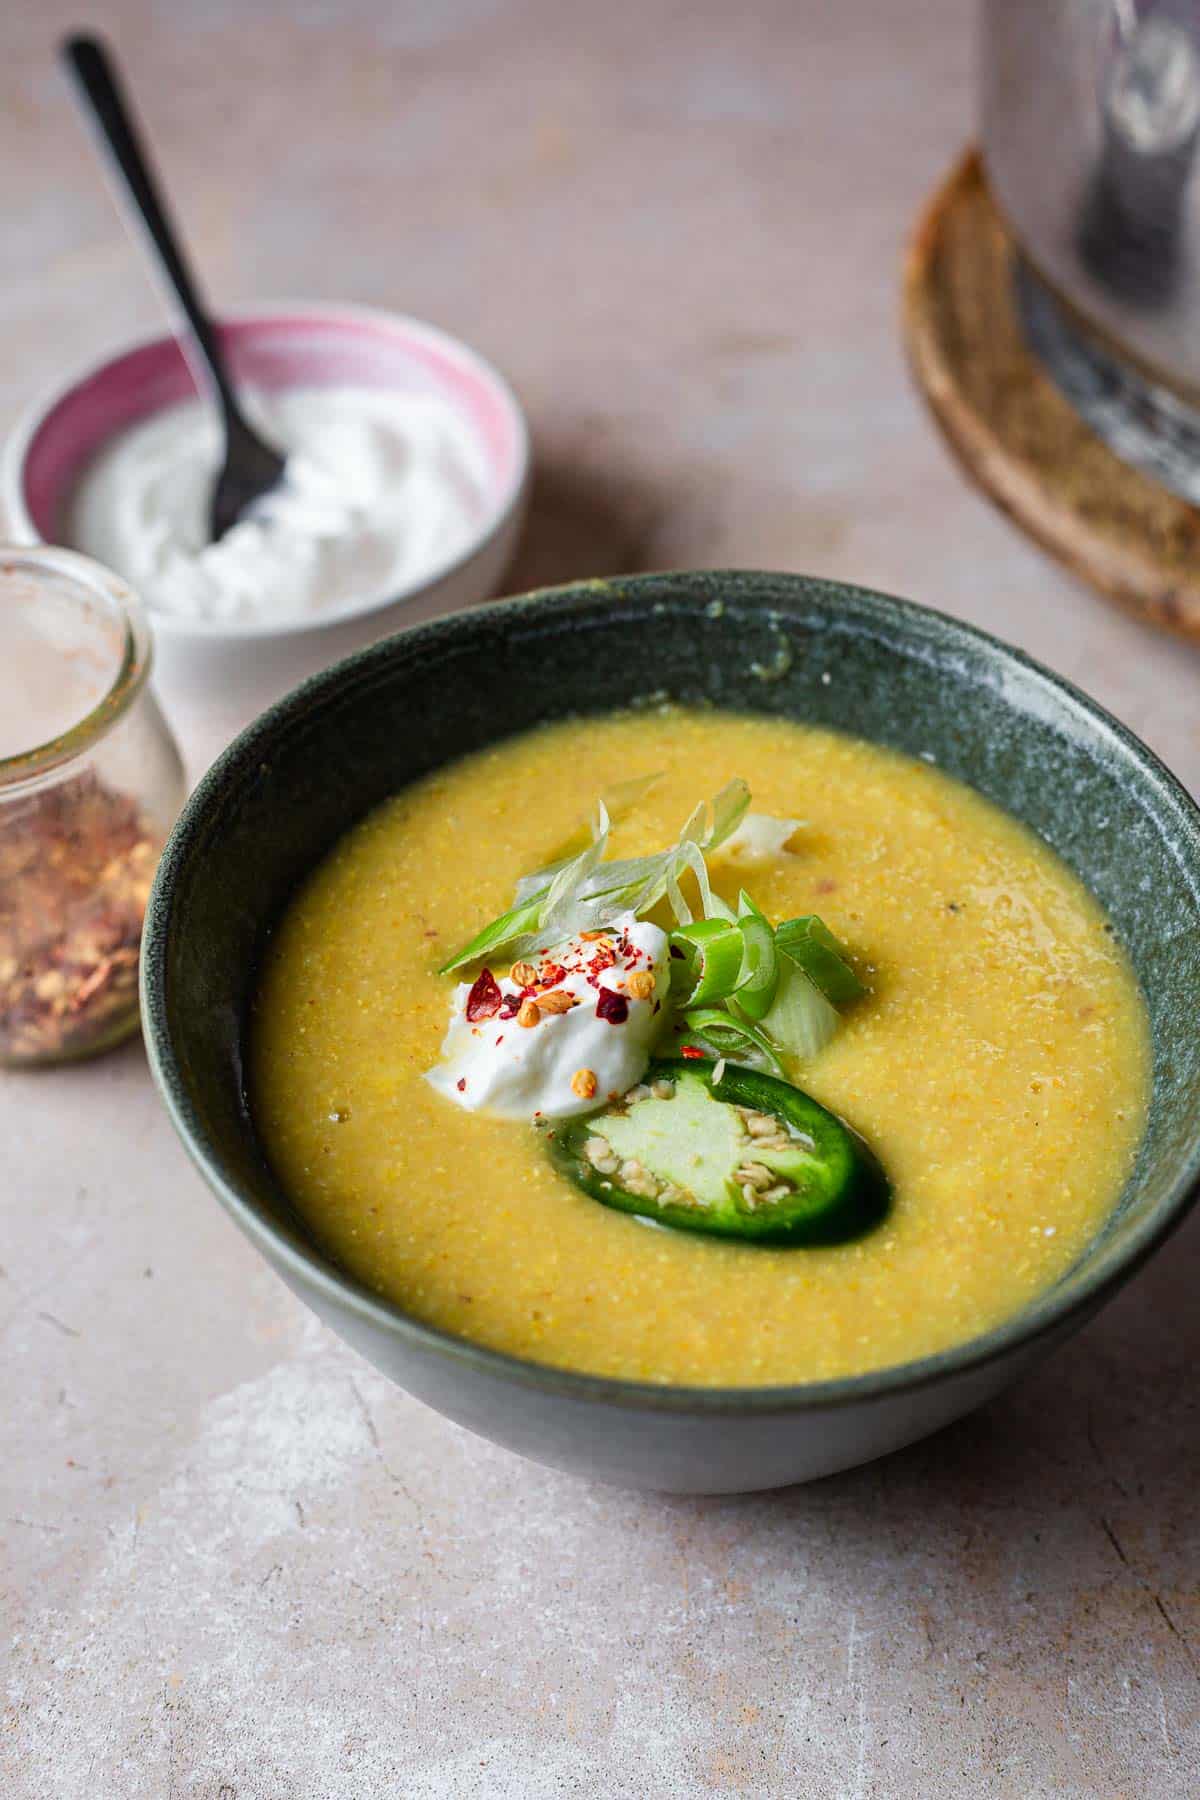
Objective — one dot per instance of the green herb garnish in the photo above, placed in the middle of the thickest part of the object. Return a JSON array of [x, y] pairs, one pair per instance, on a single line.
[[740, 985], [585, 893]]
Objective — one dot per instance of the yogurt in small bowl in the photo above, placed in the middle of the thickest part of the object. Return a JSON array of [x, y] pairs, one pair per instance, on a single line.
[[408, 464]]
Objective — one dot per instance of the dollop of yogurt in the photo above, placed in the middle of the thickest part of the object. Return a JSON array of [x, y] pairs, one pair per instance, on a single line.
[[381, 488], [591, 1042]]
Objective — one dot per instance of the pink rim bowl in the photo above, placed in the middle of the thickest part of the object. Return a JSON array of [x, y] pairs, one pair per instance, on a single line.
[[274, 347]]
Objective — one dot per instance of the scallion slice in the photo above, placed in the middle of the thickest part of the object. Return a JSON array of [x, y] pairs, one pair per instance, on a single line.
[[585, 893], [801, 1020], [510, 927], [713, 952], [724, 1035], [813, 947], [758, 976]]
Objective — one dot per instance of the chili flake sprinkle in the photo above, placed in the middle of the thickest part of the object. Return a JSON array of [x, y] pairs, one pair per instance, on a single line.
[[483, 1001], [612, 1007], [76, 863]]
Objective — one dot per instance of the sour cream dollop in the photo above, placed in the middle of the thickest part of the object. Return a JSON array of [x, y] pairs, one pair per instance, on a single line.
[[381, 488], [492, 1062]]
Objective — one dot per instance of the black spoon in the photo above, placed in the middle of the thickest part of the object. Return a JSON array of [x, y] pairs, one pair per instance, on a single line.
[[250, 467]]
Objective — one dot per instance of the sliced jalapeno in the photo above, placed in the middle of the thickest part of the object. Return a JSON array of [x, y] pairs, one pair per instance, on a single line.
[[748, 1156]]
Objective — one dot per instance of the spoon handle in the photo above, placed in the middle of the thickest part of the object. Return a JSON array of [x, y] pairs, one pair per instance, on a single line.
[[92, 67]]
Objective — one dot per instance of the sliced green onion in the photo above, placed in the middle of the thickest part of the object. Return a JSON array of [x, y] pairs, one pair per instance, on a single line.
[[728, 810], [712, 905], [714, 954], [585, 893], [702, 931], [573, 874], [616, 801], [520, 928], [509, 926], [812, 947], [720, 1032], [623, 796], [759, 974], [801, 1021]]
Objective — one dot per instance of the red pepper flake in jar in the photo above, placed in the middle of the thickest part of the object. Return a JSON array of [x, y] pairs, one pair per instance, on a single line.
[[483, 1001], [612, 1007], [76, 864]]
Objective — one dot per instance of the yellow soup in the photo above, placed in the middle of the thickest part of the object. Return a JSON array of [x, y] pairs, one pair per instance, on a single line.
[[999, 1064]]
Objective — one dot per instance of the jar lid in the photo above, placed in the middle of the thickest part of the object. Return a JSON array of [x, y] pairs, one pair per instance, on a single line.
[[74, 652]]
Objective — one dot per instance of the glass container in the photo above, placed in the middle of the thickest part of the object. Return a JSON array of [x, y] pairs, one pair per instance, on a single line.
[[90, 783]]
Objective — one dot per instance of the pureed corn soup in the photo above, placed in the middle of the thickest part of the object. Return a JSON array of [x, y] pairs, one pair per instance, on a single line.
[[834, 916]]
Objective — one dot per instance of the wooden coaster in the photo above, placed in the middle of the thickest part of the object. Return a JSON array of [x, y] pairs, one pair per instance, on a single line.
[[1015, 434]]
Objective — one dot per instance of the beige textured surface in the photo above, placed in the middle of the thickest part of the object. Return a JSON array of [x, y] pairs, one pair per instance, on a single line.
[[235, 1564]]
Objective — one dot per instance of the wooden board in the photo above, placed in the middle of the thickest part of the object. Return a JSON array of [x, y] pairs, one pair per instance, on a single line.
[[1015, 434]]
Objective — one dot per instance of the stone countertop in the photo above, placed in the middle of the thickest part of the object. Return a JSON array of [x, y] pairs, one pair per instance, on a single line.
[[238, 1565]]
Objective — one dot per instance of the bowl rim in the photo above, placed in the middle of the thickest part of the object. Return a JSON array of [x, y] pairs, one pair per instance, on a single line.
[[501, 510], [1047, 1317]]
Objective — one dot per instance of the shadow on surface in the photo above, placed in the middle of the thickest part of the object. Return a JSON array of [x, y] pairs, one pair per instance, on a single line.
[[1012, 1603], [1091, 1462], [583, 523]]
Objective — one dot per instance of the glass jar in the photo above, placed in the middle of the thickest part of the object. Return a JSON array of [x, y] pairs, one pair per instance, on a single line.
[[90, 783]]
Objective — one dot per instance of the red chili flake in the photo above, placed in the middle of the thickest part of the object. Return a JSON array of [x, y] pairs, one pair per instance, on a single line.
[[483, 1001], [552, 974], [461, 1084], [612, 1006], [692, 1052]]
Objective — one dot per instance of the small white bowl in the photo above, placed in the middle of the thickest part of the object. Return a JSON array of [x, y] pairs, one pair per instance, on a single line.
[[276, 346]]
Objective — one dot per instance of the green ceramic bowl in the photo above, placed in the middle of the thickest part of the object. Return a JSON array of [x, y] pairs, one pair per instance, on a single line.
[[782, 645]]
